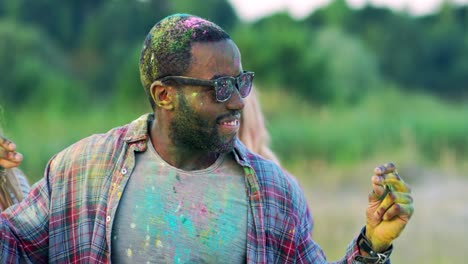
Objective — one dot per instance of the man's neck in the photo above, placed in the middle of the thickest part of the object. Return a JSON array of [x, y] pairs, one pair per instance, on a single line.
[[183, 158]]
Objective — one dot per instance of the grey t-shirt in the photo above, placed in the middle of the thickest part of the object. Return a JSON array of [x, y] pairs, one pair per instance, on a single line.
[[167, 215]]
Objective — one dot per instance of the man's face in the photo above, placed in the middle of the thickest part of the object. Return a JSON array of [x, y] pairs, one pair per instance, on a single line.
[[200, 122]]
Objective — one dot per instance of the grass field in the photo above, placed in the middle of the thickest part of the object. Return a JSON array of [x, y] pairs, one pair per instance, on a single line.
[[332, 151]]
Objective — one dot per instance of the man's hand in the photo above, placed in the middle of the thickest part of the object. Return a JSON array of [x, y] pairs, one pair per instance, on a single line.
[[9, 158], [390, 207]]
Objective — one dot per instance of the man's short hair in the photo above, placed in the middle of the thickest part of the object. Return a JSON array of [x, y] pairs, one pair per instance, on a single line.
[[167, 47]]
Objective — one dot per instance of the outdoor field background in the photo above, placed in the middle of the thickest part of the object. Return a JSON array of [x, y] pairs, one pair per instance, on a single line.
[[343, 90]]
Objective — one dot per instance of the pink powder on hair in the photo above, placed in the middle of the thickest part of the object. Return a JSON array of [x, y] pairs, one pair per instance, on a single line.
[[193, 22]]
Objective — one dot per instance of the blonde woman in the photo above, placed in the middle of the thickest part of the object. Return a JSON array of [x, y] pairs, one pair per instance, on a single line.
[[13, 184], [253, 132]]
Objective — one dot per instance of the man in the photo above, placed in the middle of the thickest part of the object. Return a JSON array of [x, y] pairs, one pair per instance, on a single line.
[[177, 186]]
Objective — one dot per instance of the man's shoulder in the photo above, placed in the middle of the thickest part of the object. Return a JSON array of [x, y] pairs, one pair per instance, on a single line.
[[101, 140], [133, 131], [267, 171], [270, 173], [104, 146], [281, 191], [100, 147]]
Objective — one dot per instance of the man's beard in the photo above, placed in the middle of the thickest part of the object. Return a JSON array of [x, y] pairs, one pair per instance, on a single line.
[[190, 130]]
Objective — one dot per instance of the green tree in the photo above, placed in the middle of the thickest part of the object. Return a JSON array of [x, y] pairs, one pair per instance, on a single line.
[[110, 35], [322, 65], [274, 48], [444, 61], [340, 69], [61, 20], [33, 70], [426, 53], [336, 14], [219, 11]]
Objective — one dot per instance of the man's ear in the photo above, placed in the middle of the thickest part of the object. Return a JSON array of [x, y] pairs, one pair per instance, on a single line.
[[162, 95]]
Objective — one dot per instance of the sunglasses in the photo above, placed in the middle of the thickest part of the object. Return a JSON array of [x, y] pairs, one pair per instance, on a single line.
[[224, 86]]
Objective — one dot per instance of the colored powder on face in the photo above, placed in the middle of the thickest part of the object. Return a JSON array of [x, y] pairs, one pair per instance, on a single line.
[[195, 99]]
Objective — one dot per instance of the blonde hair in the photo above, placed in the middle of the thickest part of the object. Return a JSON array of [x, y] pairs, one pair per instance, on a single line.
[[253, 132]]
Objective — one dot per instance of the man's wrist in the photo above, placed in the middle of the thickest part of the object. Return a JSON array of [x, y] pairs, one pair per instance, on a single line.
[[368, 254], [378, 245]]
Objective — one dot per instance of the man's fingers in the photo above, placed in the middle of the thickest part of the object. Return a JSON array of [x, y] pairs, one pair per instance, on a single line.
[[388, 174], [378, 188], [393, 199], [396, 185], [400, 210]]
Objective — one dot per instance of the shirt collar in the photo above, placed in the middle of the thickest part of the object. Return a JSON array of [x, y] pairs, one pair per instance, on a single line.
[[241, 152], [138, 129]]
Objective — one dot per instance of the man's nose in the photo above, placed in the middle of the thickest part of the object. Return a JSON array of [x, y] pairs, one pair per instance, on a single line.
[[236, 102]]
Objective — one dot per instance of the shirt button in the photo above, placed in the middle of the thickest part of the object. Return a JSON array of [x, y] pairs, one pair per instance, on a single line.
[[124, 171], [108, 218]]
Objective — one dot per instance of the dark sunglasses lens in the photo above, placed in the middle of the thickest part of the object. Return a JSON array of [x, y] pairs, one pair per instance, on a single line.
[[224, 88], [244, 83]]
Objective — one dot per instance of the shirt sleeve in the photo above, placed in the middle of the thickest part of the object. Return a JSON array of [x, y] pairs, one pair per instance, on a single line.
[[24, 227]]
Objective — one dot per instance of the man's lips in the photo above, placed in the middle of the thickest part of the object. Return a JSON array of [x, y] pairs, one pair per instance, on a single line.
[[234, 122], [230, 123], [230, 120]]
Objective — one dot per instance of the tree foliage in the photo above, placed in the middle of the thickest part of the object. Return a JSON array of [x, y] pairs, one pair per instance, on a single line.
[[34, 70], [336, 54]]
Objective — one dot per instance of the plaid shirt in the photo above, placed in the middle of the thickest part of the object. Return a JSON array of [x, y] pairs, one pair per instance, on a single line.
[[68, 215]]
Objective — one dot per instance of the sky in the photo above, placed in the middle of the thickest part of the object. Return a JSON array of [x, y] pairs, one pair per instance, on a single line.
[[249, 10]]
